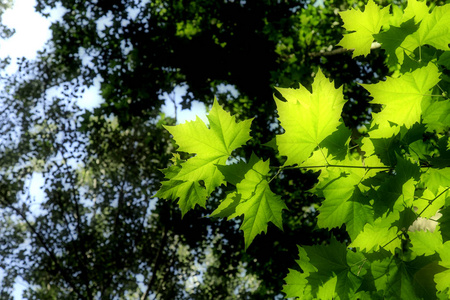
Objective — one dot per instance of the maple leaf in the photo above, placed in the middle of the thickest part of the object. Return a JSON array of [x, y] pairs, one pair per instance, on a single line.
[[444, 223], [197, 177], [416, 10], [190, 193], [434, 29], [234, 173], [425, 242], [442, 279], [295, 284], [343, 202], [258, 203], [428, 203], [326, 273], [341, 184], [402, 26], [364, 25], [436, 115], [402, 97], [307, 118], [435, 179], [227, 208], [379, 234], [212, 145], [398, 279], [358, 214], [392, 39]]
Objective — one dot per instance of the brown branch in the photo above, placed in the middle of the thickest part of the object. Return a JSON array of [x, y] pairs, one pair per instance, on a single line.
[[337, 51]]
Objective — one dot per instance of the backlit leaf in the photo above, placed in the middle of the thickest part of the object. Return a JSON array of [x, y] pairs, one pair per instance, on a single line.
[[308, 118], [434, 30], [362, 26], [197, 177], [402, 97], [258, 203]]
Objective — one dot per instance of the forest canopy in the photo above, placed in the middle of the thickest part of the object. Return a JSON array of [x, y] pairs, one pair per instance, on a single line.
[[99, 232]]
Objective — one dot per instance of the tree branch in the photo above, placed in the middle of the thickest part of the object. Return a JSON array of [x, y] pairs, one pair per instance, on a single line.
[[81, 245], [339, 166], [337, 51], [47, 249], [155, 264]]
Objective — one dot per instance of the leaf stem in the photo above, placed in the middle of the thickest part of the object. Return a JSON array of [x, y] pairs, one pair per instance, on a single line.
[[278, 172], [396, 237], [343, 166], [444, 93], [430, 202], [420, 54], [431, 95], [336, 166], [360, 267], [324, 157]]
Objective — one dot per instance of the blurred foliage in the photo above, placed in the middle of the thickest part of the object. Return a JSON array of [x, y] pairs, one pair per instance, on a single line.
[[96, 233]]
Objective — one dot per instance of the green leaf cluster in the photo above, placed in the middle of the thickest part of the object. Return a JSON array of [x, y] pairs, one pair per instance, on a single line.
[[389, 189]]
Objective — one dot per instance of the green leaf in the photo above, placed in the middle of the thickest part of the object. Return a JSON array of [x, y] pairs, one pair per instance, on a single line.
[[436, 114], [443, 159], [442, 279], [386, 149], [423, 270], [416, 10], [444, 59], [326, 271], [402, 97], [258, 204], [227, 208], [434, 30], [234, 173], [425, 242], [308, 118], [434, 179], [363, 25], [392, 39], [444, 223], [406, 218], [189, 194], [401, 195], [379, 234], [337, 143], [359, 214], [429, 203], [193, 180], [392, 277], [396, 192], [401, 27], [295, 284], [212, 145], [343, 202]]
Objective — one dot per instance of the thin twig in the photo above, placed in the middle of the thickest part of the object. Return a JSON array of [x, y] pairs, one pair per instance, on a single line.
[[336, 166], [337, 51], [278, 172], [430, 202]]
